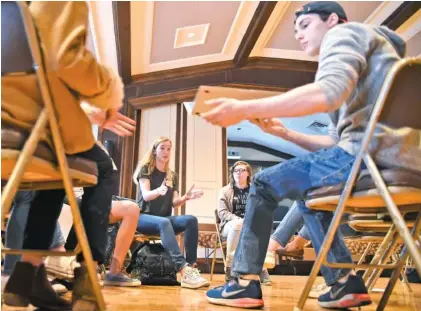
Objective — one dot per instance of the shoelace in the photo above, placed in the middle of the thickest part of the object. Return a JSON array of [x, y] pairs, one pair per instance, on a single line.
[[191, 273]]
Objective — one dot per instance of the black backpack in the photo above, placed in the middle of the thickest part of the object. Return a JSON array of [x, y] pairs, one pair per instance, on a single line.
[[152, 265]]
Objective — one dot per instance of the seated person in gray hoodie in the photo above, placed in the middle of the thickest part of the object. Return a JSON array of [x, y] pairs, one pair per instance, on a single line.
[[354, 60]]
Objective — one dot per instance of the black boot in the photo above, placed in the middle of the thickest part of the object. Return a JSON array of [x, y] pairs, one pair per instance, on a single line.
[[19, 286], [43, 295], [29, 285], [83, 298]]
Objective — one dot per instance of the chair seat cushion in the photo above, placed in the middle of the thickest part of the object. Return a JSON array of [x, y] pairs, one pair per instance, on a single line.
[[14, 139], [392, 177]]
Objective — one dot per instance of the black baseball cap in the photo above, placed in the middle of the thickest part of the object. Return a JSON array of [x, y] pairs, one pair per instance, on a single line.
[[328, 7]]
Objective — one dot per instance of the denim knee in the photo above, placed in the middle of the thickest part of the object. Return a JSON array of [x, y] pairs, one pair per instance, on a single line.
[[192, 221], [164, 224]]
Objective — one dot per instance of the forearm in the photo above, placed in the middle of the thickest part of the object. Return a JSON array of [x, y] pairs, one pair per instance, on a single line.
[[179, 201], [150, 195], [301, 101], [309, 142]]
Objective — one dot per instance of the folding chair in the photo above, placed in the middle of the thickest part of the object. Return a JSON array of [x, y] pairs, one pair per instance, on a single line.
[[378, 191], [218, 244], [27, 161]]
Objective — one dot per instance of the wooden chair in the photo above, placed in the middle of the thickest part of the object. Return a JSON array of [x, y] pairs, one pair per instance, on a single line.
[[28, 163], [394, 191], [219, 243]]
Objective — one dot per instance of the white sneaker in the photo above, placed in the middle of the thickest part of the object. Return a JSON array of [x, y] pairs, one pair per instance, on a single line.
[[269, 260], [318, 290], [61, 267], [192, 279]]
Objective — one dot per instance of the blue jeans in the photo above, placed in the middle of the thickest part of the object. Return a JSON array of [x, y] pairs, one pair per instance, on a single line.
[[167, 228], [293, 221], [16, 227], [291, 180]]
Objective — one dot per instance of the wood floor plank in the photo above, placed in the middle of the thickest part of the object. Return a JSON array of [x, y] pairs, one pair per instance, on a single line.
[[282, 295]]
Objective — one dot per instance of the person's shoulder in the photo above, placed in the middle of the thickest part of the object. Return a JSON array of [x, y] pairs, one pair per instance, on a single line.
[[144, 170], [345, 29], [227, 188]]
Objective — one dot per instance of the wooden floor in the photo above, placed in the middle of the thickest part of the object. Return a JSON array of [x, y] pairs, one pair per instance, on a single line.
[[282, 295]]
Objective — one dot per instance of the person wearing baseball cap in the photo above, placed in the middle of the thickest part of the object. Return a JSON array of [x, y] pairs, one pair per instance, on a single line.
[[354, 60]]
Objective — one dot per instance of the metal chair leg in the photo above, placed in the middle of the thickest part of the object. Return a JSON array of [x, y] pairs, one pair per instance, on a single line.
[[394, 212], [12, 185], [404, 280], [377, 256], [386, 255], [83, 242], [362, 258], [396, 272], [213, 261], [322, 256]]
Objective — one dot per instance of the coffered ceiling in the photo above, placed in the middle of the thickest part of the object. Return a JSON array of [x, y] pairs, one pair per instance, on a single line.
[[175, 34]]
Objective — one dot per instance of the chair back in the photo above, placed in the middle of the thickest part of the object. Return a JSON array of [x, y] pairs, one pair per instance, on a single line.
[[217, 219], [16, 55], [402, 107]]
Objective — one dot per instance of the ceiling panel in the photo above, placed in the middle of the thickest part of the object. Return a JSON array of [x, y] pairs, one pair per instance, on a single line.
[[413, 47], [410, 31], [168, 16]]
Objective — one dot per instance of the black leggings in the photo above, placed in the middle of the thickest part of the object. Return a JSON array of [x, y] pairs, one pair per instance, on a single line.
[[95, 209]]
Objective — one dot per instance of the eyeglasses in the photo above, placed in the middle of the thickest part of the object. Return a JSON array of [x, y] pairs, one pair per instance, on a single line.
[[240, 170]]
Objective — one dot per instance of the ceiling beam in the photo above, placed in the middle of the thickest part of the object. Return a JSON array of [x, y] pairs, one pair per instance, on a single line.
[[249, 144], [402, 14], [181, 84], [255, 28], [122, 29]]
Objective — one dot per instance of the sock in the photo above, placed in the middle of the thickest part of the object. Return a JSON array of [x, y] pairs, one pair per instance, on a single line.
[[345, 278], [244, 280]]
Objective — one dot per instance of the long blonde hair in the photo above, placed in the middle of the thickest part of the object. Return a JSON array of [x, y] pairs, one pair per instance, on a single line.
[[149, 160]]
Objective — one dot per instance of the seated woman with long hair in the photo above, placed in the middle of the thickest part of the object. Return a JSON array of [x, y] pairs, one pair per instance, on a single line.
[[158, 195], [231, 211]]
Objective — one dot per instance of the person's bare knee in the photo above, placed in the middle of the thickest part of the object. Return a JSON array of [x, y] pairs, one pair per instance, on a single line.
[[133, 210]]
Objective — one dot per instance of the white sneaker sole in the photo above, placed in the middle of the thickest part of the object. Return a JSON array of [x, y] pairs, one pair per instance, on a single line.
[[195, 286], [347, 301], [245, 303], [122, 284]]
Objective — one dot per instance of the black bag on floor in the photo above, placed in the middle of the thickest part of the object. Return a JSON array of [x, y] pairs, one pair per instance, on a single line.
[[152, 265]]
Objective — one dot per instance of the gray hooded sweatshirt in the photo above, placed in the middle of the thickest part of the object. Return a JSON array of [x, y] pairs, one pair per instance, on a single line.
[[354, 61]]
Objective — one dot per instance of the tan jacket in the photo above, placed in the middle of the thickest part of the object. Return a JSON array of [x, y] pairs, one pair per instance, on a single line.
[[225, 205], [73, 73]]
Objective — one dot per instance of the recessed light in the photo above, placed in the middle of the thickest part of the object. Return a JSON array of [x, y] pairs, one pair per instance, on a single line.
[[191, 35]]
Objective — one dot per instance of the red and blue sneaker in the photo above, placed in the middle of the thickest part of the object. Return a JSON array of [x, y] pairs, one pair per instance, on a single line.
[[234, 295], [350, 294]]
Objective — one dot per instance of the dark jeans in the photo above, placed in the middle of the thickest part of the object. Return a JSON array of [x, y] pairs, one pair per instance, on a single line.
[[16, 227], [167, 228], [292, 179], [95, 209]]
